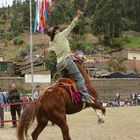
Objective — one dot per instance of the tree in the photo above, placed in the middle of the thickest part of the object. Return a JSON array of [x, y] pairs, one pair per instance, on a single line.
[[107, 18], [50, 64], [131, 11], [62, 12], [79, 42], [16, 20], [90, 7], [26, 13]]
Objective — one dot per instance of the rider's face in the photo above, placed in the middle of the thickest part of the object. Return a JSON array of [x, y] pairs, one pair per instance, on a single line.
[[57, 31]]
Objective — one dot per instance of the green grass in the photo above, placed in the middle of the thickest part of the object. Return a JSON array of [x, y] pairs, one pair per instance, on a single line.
[[128, 42]]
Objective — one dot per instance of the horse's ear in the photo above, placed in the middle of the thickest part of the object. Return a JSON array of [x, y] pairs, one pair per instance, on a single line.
[[81, 60]]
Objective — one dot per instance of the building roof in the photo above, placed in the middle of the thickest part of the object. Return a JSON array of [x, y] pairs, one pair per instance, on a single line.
[[134, 49]]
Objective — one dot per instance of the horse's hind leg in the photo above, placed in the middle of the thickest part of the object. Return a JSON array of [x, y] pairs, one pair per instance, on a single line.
[[38, 129], [65, 130], [60, 120]]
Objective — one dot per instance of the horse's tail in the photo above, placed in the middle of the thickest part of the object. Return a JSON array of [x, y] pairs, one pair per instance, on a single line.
[[27, 119]]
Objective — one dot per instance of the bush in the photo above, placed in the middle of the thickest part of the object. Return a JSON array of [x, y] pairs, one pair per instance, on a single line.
[[18, 41], [81, 43], [127, 24], [23, 53], [8, 35], [5, 35]]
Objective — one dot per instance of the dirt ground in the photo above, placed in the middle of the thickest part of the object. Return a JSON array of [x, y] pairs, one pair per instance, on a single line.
[[122, 123]]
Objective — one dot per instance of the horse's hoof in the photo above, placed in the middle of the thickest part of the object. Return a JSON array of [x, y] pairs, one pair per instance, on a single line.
[[100, 121]]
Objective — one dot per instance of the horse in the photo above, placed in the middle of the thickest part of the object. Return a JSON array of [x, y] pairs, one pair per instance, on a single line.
[[53, 105]]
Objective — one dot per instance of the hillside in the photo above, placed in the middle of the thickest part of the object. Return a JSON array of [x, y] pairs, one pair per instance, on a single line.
[[40, 43], [120, 17], [11, 51]]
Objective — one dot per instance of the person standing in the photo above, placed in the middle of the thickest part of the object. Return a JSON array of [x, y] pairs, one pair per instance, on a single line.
[[2, 102], [6, 108], [134, 99], [24, 99], [117, 99], [37, 92], [138, 99], [14, 97]]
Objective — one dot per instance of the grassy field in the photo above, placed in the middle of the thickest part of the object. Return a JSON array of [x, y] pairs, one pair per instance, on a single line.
[[129, 42], [121, 123]]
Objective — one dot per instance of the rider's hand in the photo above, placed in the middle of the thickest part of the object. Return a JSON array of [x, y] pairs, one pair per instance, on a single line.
[[79, 13]]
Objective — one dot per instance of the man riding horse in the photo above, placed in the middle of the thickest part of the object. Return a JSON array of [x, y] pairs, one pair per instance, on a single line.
[[65, 61], [55, 101]]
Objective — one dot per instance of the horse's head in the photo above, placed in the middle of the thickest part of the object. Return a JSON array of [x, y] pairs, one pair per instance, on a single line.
[[80, 57]]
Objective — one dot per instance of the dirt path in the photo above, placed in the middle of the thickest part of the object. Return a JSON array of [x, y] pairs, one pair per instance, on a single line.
[[121, 124]]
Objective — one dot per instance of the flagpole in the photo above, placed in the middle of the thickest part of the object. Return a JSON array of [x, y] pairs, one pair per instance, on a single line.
[[31, 47]]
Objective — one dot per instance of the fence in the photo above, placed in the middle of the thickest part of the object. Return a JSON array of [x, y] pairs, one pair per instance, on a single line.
[[12, 104]]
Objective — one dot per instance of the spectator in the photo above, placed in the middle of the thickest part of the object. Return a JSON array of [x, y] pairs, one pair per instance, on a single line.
[[24, 99], [134, 98], [6, 108], [127, 102], [117, 99], [14, 97], [30, 98], [2, 102], [37, 92], [138, 99]]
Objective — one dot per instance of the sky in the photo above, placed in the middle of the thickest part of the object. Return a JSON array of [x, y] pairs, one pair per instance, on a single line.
[[5, 3]]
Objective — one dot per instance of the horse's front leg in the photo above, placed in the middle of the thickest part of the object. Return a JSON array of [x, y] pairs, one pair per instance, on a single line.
[[101, 117], [97, 106]]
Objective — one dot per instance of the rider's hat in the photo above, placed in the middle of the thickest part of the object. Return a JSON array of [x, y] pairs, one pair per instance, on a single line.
[[51, 31]]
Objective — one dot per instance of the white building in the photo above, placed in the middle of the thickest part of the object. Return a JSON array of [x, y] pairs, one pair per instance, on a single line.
[[134, 54]]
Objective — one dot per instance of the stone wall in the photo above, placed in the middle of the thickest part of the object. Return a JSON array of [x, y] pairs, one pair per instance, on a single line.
[[106, 88]]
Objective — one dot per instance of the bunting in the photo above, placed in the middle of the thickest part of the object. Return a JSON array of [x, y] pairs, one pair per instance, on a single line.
[[43, 8]]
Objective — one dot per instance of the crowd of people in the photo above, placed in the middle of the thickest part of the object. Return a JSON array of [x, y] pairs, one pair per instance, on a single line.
[[21, 102], [133, 100], [15, 100]]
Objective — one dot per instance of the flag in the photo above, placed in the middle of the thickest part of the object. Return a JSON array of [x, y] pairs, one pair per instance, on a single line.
[[43, 8]]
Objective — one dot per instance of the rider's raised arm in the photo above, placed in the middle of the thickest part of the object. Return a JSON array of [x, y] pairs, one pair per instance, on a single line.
[[67, 31]]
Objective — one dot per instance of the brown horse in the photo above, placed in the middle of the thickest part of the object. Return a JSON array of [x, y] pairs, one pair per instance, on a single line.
[[53, 106]]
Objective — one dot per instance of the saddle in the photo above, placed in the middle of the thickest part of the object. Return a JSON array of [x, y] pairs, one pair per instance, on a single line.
[[71, 87]]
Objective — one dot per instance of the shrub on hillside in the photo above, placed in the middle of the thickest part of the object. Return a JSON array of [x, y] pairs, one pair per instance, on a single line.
[[23, 52], [8, 35], [18, 41], [81, 43]]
